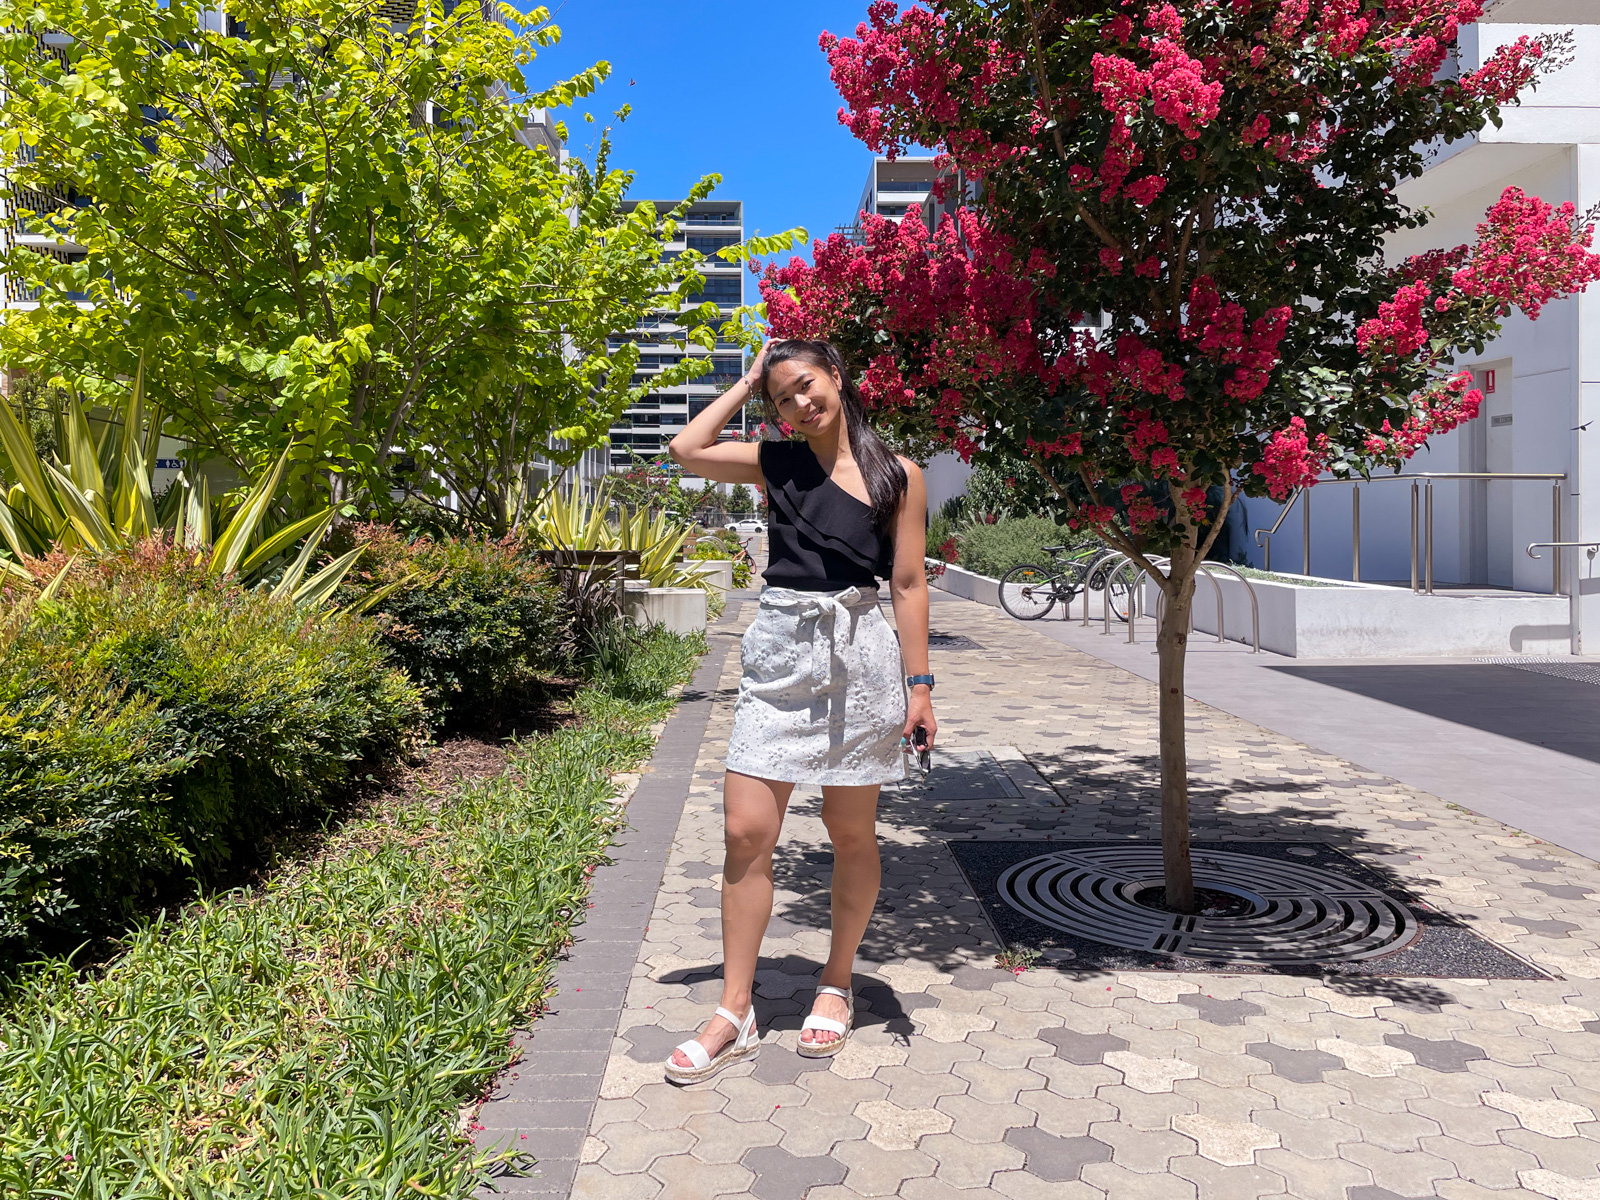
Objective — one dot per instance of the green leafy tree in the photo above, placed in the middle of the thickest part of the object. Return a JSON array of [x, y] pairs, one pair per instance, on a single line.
[[327, 230]]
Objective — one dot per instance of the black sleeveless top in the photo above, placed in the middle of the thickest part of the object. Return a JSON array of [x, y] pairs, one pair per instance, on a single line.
[[820, 537]]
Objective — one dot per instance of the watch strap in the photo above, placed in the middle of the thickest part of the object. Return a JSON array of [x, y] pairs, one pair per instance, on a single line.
[[913, 680]]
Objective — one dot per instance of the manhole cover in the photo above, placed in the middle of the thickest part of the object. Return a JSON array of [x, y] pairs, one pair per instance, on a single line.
[[1286, 912], [951, 641]]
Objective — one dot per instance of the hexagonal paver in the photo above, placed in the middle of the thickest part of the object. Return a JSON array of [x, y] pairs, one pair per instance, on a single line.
[[1231, 1143], [896, 1128], [780, 1175], [1221, 1012], [1299, 1066], [1549, 928], [652, 1044], [1445, 1055], [875, 1172], [1552, 1118], [1371, 1191], [1085, 1049], [1145, 1074], [1057, 1159]]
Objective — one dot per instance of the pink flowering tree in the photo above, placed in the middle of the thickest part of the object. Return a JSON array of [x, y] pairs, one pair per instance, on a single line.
[[1168, 272]]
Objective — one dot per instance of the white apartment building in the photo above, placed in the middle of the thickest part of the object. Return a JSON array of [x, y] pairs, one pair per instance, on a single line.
[[648, 425], [1541, 380]]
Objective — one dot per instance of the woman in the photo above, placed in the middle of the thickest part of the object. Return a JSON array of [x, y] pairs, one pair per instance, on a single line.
[[824, 697]]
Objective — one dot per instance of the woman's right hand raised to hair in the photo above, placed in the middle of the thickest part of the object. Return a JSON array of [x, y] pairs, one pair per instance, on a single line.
[[753, 375]]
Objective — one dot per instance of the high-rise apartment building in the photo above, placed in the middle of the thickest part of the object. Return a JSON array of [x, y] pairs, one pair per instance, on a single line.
[[896, 187], [646, 427]]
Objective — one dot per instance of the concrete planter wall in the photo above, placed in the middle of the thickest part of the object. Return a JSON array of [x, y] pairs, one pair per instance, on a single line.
[[718, 570], [680, 610], [967, 584], [1351, 620], [1356, 620]]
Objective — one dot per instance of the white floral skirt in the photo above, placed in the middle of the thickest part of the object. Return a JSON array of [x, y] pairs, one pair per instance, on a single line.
[[823, 697]]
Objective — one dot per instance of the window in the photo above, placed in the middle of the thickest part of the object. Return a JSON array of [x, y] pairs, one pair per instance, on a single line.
[[904, 185], [721, 291], [710, 243]]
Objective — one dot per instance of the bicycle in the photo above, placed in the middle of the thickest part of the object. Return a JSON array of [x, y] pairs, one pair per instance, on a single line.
[[1029, 592]]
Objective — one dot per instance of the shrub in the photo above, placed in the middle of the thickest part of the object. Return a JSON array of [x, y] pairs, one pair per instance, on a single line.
[[941, 532], [475, 623], [994, 549], [155, 718]]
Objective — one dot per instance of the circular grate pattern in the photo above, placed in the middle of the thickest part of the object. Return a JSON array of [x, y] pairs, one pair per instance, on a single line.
[[1289, 913]]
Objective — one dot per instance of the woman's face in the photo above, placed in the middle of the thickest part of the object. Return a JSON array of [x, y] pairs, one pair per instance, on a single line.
[[806, 396]]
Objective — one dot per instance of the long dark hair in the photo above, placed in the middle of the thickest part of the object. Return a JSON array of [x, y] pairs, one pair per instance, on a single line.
[[885, 477]]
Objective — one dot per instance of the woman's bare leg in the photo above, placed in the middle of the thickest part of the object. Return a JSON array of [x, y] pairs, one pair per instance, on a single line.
[[752, 818], [851, 815]]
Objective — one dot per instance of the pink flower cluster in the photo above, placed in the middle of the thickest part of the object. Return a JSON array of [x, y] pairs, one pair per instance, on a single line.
[[1140, 508], [896, 65], [1440, 409], [1290, 461], [1219, 328], [1176, 87], [960, 287], [1509, 69], [1527, 254]]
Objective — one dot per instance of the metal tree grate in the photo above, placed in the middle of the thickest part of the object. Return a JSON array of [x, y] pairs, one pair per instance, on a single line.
[[1293, 913], [951, 641]]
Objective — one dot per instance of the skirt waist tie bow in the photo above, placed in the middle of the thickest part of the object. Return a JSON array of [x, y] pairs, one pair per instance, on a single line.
[[827, 608]]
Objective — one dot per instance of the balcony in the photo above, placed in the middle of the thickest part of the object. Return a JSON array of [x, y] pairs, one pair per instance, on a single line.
[[39, 232]]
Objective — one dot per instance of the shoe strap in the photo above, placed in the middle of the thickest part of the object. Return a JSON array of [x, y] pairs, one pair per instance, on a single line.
[[734, 1019], [826, 1024], [824, 989], [696, 1054]]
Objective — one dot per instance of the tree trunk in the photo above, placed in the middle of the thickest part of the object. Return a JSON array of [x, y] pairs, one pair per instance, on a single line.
[[1171, 644]]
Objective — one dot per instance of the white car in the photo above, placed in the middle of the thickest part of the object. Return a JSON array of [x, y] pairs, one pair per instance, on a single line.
[[747, 525]]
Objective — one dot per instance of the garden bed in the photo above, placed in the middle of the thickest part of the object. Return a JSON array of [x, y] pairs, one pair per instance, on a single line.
[[318, 1034]]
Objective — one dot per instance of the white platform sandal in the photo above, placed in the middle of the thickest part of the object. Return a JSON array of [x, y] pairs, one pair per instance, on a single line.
[[828, 1025], [745, 1044]]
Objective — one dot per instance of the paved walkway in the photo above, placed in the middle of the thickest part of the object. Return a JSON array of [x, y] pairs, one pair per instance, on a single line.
[[964, 1081], [1517, 745]]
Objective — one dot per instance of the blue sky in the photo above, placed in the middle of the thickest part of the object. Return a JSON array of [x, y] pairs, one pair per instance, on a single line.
[[738, 89]]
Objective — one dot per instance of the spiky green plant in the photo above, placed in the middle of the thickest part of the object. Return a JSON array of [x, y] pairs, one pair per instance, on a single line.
[[100, 497], [567, 519]]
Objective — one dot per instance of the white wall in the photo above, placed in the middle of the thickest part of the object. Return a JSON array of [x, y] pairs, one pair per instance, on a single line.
[[1547, 372]]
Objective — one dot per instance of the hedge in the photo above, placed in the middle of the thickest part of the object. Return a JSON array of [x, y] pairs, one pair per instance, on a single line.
[[1011, 541], [476, 624], [154, 720]]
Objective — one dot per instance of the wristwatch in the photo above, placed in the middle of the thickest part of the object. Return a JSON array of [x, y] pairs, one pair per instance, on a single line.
[[913, 680]]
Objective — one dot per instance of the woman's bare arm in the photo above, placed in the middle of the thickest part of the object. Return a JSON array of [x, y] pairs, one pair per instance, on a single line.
[[908, 588], [697, 450]]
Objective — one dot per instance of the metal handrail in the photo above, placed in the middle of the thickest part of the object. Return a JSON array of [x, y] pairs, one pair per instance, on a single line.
[[1421, 519]]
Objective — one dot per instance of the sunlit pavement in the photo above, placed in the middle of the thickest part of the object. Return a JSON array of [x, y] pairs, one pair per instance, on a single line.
[[1064, 1082]]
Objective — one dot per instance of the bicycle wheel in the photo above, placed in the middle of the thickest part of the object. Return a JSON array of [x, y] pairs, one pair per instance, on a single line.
[[1119, 593], [1027, 592]]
